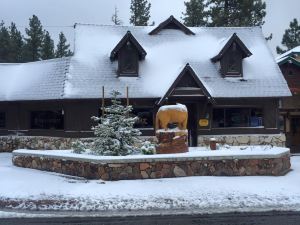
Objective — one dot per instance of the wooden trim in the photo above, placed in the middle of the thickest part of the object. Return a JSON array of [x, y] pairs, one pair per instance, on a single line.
[[128, 37], [167, 22]]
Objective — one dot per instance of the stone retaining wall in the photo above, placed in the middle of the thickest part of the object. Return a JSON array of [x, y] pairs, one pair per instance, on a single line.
[[236, 140], [157, 168], [10, 143]]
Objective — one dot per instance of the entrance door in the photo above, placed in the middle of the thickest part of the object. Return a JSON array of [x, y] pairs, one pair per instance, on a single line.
[[295, 134], [192, 124]]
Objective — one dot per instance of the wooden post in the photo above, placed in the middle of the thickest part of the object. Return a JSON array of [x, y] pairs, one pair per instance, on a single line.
[[127, 98], [102, 108]]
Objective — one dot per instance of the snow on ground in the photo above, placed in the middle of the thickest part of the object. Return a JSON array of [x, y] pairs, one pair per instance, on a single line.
[[33, 189], [225, 151]]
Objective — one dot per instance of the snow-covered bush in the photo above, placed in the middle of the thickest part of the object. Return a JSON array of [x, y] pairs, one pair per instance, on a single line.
[[114, 132], [78, 147], [148, 148]]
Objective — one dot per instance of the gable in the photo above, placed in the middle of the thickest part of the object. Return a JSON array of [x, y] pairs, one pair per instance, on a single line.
[[187, 84], [172, 23], [128, 38], [234, 40]]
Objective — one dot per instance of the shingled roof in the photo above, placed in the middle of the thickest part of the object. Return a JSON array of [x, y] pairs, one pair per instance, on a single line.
[[168, 51]]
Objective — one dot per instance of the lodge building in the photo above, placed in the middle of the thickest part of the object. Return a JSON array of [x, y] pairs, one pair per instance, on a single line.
[[289, 64], [226, 77]]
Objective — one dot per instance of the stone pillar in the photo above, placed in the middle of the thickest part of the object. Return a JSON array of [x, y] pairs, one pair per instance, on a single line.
[[172, 141]]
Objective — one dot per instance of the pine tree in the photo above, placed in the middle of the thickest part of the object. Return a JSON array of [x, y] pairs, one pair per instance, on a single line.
[[236, 13], [195, 14], [62, 49], [140, 12], [47, 51], [115, 17], [4, 43], [291, 37], [33, 43], [16, 44], [114, 133]]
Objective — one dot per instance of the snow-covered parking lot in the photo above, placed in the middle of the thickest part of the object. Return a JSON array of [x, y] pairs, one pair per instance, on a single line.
[[22, 188]]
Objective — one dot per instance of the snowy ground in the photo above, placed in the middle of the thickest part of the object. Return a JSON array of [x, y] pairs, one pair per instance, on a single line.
[[22, 188]]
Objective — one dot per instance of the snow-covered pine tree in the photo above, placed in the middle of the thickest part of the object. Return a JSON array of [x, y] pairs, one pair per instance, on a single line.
[[114, 132], [47, 49], [291, 37], [62, 48]]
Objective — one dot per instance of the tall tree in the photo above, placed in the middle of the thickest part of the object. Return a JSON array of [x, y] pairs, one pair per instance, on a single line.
[[4, 43], [47, 50], [16, 44], [140, 12], [33, 43], [291, 37], [115, 17], [236, 12], [62, 49], [195, 14]]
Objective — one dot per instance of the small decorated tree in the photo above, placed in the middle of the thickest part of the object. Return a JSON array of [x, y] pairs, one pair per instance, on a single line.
[[114, 132]]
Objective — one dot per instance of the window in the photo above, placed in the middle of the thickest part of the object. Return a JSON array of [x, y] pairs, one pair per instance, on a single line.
[[237, 117], [128, 62], [47, 120], [145, 116], [2, 120], [232, 62]]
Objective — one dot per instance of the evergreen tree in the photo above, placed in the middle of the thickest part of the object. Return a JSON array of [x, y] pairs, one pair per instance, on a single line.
[[195, 15], [236, 13], [114, 133], [115, 17], [16, 44], [33, 43], [140, 12], [62, 49], [291, 37], [4, 43], [47, 51]]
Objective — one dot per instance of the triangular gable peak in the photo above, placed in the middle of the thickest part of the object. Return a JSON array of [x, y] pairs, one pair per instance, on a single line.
[[231, 57], [187, 84], [128, 37], [234, 40], [172, 23]]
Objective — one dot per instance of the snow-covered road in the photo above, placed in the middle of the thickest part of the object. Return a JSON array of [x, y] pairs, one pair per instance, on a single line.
[[33, 189]]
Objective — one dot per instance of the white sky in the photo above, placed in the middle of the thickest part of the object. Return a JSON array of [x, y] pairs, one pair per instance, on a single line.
[[60, 15]]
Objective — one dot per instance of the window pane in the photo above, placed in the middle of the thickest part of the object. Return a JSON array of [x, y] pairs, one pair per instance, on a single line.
[[2, 119], [145, 116], [237, 117], [218, 118], [129, 60], [47, 120]]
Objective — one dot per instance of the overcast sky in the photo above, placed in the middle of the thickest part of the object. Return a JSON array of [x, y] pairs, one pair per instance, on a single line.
[[60, 15]]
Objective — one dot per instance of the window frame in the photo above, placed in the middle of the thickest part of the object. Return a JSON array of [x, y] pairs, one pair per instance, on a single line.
[[122, 56], [31, 124], [4, 120], [224, 108]]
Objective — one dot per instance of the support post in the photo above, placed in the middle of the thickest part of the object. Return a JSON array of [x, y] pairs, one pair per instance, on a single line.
[[127, 97], [102, 108]]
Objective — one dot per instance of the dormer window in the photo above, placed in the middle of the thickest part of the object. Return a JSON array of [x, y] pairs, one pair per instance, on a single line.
[[128, 60], [128, 52], [231, 57]]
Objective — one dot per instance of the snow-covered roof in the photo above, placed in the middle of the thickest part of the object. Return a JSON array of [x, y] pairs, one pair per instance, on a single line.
[[168, 51], [42, 80], [288, 53]]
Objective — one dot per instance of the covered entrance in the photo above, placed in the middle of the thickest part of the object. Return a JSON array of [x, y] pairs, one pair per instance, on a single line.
[[188, 90]]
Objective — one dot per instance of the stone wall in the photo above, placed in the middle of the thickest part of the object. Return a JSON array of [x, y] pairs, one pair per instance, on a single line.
[[10, 143], [166, 168], [236, 140]]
